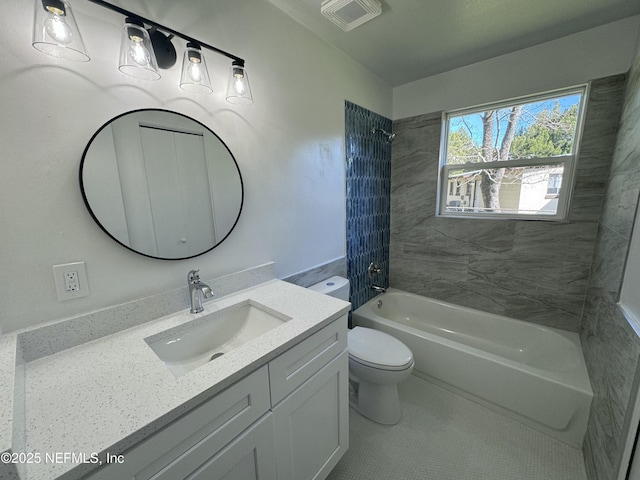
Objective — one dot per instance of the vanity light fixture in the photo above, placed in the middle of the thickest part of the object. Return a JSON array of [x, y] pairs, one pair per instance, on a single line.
[[145, 47], [238, 88], [195, 76], [55, 31], [137, 58]]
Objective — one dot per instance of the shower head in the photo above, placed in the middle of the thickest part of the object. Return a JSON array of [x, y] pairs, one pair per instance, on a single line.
[[390, 136]]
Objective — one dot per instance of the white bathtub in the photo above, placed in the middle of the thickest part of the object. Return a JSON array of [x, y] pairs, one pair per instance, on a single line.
[[531, 373]]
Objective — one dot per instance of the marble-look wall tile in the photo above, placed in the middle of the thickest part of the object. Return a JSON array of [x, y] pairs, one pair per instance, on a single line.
[[627, 152], [485, 236], [611, 347], [608, 261], [534, 271], [611, 352], [618, 208], [573, 277], [586, 208], [571, 241], [598, 142], [590, 310]]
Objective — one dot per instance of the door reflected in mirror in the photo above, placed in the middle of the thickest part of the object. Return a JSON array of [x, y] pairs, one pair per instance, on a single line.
[[161, 184]]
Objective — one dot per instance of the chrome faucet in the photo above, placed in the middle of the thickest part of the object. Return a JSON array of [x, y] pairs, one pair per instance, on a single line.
[[195, 287], [378, 289]]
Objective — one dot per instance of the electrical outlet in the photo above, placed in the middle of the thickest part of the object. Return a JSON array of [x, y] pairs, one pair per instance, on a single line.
[[71, 280]]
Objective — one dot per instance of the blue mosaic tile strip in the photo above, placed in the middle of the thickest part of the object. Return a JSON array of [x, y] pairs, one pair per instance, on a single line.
[[368, 194]]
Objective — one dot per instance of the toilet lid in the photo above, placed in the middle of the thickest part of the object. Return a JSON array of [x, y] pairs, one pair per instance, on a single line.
[[378, 349]]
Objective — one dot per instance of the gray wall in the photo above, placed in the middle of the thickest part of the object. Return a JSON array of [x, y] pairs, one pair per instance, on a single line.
[[289, 146], [610, 346], [530, 270]]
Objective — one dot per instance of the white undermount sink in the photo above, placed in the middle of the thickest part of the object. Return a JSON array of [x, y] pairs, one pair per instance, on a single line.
[[195, 343]]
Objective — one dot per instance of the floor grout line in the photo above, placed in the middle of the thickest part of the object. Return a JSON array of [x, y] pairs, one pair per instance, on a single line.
[[443, 436]]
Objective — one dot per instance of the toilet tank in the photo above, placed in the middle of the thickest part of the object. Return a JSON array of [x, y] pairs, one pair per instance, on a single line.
[[335, 286]]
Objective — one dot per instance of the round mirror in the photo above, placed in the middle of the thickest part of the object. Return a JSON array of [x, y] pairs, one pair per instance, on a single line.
[[161, 184]]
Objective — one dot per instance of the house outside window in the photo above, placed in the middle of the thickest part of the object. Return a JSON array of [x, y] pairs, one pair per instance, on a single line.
[[553, 187], [513, 159]]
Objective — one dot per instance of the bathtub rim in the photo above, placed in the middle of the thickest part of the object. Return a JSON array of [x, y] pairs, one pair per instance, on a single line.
[[576, 378]]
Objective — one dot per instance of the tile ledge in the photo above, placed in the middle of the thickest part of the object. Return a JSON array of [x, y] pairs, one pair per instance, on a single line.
[[633, 320]]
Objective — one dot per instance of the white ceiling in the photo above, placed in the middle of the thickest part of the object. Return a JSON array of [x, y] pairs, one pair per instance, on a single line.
[[414, 39]]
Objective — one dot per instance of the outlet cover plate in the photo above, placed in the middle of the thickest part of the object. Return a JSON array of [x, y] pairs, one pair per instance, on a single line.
[[82, 289]]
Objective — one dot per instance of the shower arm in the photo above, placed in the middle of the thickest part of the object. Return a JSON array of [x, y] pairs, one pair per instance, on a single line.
[[390, 136]]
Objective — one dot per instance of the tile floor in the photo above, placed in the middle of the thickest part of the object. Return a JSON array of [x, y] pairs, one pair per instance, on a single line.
[[443, 436]]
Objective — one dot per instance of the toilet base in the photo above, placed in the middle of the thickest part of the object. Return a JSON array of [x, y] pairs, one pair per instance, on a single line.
[[379, 403]]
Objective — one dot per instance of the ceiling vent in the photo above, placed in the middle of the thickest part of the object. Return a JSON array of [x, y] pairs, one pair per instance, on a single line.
[[348, 14]]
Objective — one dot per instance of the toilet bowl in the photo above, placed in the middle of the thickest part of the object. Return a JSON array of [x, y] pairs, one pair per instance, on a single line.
[[377, 363]]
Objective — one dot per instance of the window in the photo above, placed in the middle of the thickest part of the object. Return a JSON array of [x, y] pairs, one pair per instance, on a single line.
[[511, 159]]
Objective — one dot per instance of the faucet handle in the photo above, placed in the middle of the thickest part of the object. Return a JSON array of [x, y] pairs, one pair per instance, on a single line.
[[193, 276], [373, 269]]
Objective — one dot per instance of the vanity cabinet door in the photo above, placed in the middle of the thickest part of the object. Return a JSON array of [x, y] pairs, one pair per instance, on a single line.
[[312, 424], [251, 456]]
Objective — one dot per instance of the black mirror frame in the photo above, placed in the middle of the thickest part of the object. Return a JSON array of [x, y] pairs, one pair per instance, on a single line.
[[86, 201]]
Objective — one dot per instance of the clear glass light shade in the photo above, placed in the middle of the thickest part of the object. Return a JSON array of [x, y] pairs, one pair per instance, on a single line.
[[238, 88], [195, 76], [137, 58], [55, 31]]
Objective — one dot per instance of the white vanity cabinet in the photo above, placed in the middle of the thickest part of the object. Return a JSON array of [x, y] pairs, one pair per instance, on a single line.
[[248, 457], [286, 420], [195, 442], [312, 424], [309, 397]]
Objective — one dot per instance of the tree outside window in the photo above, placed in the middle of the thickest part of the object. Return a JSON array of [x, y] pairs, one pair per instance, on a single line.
[[514, 159]]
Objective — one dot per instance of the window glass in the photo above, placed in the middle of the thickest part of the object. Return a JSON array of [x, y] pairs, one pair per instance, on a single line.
[[521, 190], [513, 159]]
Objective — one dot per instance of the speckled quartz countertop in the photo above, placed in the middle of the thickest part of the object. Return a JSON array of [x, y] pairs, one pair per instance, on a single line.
[[7, 374], [107, 394]]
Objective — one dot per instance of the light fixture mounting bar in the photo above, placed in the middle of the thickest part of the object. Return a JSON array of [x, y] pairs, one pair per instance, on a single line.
[[151, 23]]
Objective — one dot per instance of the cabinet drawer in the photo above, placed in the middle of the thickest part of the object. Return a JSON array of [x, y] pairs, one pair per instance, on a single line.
[[207, 428], [291, 369], [251, 456]]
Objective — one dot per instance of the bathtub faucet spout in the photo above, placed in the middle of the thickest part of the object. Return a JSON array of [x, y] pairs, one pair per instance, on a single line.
[[378, 289]]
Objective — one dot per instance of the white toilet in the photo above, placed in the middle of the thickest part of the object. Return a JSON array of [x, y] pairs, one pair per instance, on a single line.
[[377, 363]]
